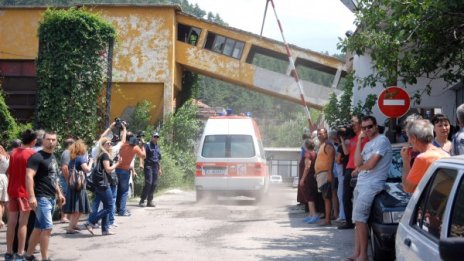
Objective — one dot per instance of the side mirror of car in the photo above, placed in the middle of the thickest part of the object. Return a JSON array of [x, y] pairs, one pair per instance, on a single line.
[[451, 249]]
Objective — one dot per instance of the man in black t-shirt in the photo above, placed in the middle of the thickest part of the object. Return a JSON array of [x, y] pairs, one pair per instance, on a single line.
[[43, 190]]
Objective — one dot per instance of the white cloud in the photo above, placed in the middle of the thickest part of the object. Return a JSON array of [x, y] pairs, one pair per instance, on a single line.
[[312, 24]]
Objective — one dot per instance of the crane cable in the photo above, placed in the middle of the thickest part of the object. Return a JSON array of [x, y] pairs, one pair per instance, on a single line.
[[293, 71]]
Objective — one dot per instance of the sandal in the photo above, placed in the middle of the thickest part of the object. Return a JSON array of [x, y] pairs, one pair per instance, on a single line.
[[89, 228], [77, 228], [71, 232], [349, 259]]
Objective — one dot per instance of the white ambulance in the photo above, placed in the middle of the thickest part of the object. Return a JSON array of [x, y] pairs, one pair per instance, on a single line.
[[230, 159]]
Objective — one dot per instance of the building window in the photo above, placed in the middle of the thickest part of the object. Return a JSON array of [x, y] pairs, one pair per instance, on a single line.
[[224, 45], [188, 34], [19, 84]]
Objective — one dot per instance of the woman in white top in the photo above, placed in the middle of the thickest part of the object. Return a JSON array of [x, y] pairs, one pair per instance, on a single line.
[[4, 163]]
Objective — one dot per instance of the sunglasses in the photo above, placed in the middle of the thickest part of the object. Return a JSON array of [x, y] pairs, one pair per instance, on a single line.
[[368, 127]]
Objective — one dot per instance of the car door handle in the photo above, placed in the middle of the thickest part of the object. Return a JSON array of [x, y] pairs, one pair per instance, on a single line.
[[407, 242]]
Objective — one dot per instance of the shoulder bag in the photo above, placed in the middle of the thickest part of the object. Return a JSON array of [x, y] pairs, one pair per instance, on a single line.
[[76, 178]]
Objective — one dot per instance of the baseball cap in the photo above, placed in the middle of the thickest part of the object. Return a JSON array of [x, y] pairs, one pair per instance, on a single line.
[[155, 134]]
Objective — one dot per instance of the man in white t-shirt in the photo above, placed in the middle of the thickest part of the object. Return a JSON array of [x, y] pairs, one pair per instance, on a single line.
[[373, 163]]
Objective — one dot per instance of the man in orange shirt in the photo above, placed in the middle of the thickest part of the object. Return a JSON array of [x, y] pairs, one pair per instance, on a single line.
[[420, 136], [128, 150], [324, 172]]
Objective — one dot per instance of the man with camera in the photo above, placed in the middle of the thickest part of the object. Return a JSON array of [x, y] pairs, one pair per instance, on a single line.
[[350, 173], [151, 169], [133, 146]]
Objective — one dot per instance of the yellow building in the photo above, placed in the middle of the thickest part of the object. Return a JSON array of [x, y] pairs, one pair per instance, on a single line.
[[155, 44]]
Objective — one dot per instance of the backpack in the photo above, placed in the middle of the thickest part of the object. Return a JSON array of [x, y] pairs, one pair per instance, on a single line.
[[76, 178]]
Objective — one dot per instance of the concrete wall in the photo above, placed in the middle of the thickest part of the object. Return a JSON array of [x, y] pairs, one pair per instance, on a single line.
[[441, 96]]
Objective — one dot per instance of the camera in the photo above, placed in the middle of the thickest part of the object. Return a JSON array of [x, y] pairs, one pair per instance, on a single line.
[[118, 123], [346, 132], [137, 139]]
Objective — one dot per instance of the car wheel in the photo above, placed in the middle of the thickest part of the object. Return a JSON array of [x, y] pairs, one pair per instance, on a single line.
[[378, 253]]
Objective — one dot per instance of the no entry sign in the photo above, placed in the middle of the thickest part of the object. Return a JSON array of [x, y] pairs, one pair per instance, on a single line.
[[394, 102]]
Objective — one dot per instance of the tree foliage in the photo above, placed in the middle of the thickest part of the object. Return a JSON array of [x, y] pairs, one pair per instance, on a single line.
[[179, 134], [71, 71], [338, 112], [409, 39]]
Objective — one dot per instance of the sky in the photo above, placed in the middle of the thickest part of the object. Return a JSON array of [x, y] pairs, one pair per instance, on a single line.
[[311, 24]]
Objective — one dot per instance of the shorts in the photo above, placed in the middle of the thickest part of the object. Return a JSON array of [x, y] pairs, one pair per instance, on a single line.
[[362, 202], [44, 212], [335, 183], [3, 188], [321, 179], [19, 205], [326, 190]]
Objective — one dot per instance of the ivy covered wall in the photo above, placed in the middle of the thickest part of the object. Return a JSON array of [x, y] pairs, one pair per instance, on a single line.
[[71, 71]]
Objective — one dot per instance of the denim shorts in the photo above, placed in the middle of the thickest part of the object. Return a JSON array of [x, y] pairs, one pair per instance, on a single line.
[[44, 213], [363, 196]]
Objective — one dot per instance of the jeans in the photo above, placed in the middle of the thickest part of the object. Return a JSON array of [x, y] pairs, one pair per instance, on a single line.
[[341, 208], [347, 195], [151, 180], [123, 190], [106, 197], [96, 204]]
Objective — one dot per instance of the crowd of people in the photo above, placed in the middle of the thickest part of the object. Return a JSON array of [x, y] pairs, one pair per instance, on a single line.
[[341, 175], [32, 183]]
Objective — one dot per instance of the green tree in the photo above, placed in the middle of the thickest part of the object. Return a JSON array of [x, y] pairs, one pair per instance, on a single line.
[[338, 112], [71, 71], [332, 111], [179, 134], [409, 39], [8, 126], [140, 119]]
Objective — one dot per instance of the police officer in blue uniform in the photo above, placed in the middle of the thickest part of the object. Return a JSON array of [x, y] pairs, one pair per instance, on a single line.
[[151, 169]]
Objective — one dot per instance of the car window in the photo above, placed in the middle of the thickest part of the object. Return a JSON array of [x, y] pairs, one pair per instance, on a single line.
[[456, 228], [396, 168], [429, 210], [228, 146], [241, 146], [214, 146]]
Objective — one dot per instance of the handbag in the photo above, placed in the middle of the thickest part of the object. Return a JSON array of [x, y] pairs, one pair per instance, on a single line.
[[98, 176], [76, 178]]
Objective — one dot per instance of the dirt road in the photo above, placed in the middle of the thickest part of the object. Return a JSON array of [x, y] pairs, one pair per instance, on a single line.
[[227, 229]]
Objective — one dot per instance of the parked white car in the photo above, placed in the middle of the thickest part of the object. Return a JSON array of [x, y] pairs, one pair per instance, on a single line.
[[432, 227]]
